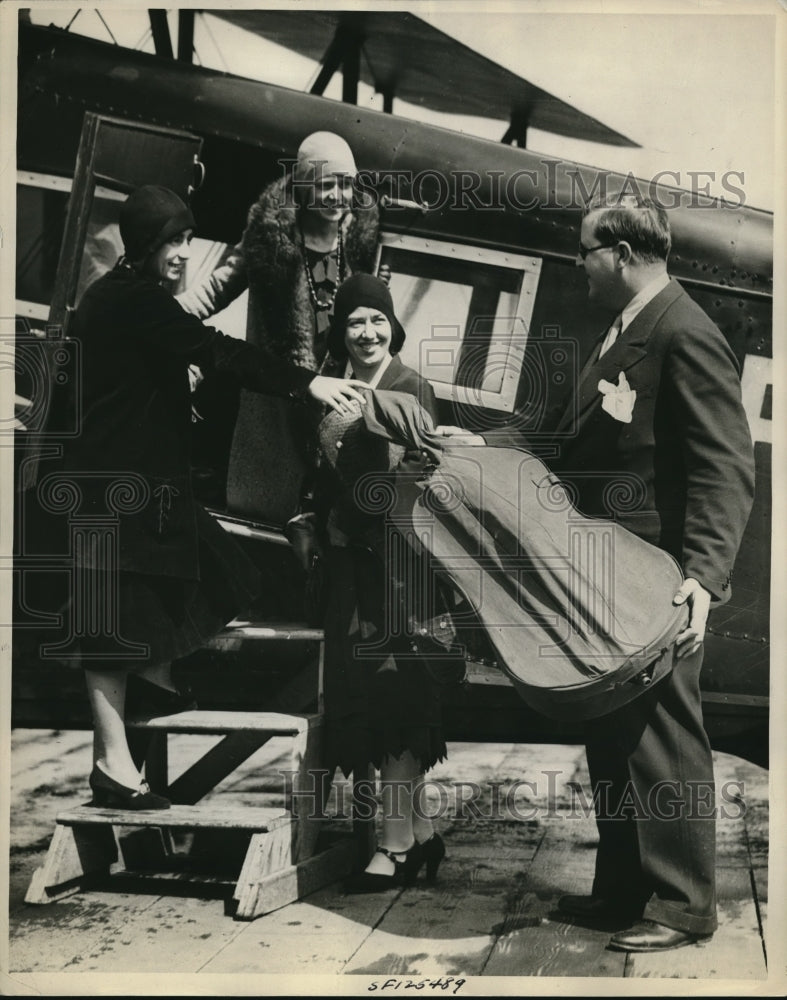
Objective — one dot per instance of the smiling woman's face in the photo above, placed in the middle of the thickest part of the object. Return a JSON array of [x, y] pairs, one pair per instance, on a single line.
[[328, 196], [367, 337], [169, 262]]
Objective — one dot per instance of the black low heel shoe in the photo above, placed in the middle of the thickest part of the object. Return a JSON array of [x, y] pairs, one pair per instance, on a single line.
[[433, 852], [143, 697], [407, 864], [112, 795]]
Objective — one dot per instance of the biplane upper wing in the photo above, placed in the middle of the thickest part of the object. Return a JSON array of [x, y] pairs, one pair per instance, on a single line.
[[404, 55]]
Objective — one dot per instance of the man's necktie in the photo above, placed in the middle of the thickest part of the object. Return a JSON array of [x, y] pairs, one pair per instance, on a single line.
[[611, 337]]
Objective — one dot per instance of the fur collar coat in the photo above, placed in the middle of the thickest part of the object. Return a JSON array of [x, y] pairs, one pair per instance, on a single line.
[[281, 317]]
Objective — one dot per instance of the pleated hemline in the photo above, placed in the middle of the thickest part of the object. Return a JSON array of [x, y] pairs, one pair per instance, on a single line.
[[352, 747]]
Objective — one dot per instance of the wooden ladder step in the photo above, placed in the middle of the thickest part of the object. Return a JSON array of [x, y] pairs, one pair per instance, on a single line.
[[198, 721], [240, 630], [198, 879], [280, 863], [259, 819]]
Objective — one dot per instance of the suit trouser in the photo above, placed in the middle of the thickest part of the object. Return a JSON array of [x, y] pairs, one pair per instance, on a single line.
[[652, 777]]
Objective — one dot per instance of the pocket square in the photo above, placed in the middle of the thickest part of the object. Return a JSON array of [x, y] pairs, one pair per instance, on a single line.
[[618, 399]]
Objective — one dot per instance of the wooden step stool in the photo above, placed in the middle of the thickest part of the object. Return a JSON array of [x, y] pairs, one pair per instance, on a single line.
[[281, 862]]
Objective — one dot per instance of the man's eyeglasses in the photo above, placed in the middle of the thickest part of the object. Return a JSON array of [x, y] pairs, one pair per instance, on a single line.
[[584, 251]]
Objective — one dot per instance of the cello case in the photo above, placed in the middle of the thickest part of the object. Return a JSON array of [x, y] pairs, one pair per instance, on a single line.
[[578, 609]]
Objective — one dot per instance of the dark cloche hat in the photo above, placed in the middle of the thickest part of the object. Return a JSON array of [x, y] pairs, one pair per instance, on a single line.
[[362, 290], [149, 217]]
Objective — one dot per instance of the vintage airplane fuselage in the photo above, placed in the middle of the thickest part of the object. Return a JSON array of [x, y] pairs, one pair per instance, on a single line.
[[459, 202]]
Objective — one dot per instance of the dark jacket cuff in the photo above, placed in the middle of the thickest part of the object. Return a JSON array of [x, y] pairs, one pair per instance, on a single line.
[[301, 380], [720, 590]]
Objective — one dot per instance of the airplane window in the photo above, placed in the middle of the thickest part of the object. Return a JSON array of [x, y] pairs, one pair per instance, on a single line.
[[103, 245], [467, 314]]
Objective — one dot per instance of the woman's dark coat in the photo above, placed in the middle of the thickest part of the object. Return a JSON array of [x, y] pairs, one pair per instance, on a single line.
[[136, 343]]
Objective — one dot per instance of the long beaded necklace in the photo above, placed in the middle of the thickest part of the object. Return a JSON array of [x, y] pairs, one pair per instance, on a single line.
[[317, 302]]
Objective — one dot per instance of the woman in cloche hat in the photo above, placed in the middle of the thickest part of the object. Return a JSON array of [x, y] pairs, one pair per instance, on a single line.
[[174, 578], [381, 707]]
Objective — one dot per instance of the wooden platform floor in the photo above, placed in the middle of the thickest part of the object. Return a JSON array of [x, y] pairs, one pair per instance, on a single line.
[[512, 851]]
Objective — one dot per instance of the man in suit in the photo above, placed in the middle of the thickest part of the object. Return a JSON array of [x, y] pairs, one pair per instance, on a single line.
[[659, 402], [656, 416]]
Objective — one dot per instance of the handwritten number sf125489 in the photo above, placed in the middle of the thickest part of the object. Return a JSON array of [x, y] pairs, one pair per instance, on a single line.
[[449, 983]]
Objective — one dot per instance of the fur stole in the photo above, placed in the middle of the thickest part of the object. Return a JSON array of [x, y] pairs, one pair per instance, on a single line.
[[281, 318]]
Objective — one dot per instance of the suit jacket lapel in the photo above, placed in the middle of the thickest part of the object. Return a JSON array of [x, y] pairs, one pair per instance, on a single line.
[[628, 349]]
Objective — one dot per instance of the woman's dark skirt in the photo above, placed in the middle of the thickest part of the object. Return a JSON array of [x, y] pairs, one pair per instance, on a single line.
[[379, 698], [132, 621]]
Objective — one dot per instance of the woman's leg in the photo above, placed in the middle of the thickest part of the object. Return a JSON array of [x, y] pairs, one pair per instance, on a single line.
[[107, 693], [397, 776], [423, 828]]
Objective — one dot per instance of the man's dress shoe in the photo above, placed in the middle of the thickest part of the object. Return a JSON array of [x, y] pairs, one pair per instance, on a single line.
[[598, 908], [647, 935]]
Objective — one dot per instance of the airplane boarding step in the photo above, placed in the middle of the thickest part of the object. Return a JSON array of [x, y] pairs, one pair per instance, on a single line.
[[197, 721], [281, 862]]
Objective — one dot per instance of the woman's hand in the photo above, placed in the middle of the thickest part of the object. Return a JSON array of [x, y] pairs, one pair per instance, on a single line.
[[384, 273], [341, 394]]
